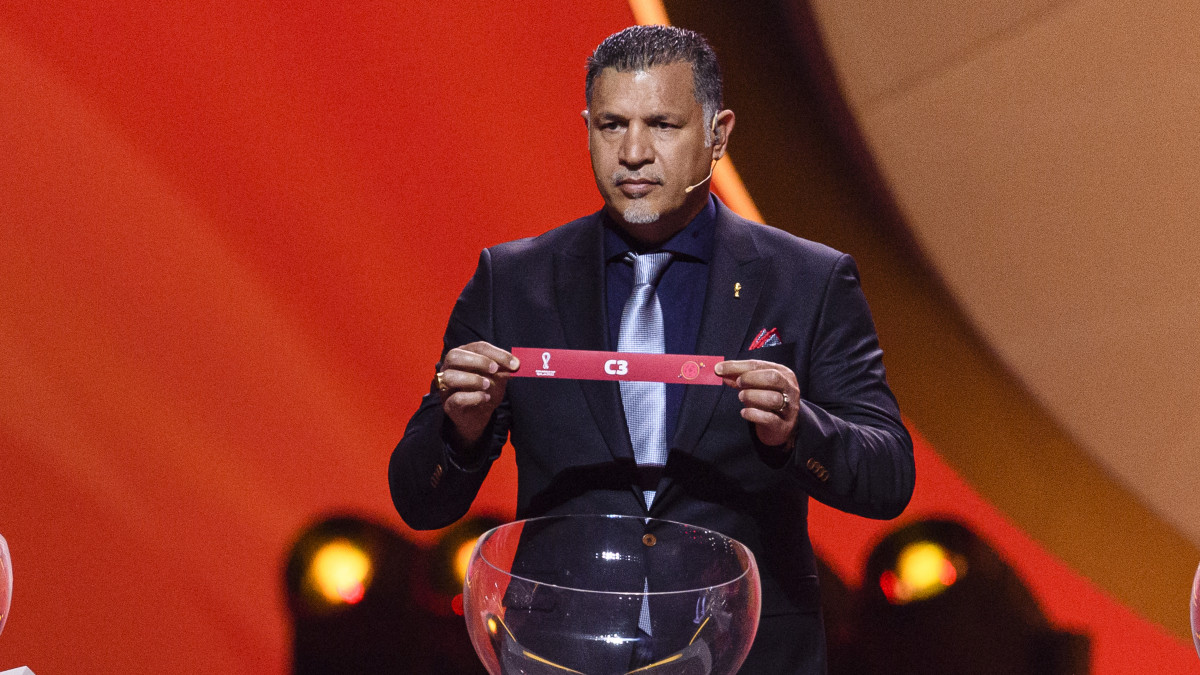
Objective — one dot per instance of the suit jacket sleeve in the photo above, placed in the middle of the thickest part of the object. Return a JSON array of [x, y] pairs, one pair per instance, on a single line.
[[852, 449], [432, 483]]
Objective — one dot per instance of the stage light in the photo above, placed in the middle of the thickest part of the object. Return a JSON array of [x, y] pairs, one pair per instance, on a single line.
[[362, 603], [922, 571], [451, 555], [340, 572], [335, 564], [462, 558], [947, 602]]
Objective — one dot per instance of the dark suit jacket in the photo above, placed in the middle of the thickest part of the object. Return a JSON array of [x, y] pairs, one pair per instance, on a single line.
[[572, 445]]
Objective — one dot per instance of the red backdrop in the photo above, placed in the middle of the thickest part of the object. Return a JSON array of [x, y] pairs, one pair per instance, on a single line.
[[231, 234]]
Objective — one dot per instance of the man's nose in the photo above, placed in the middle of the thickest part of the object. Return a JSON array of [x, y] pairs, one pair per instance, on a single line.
[[636, 147]]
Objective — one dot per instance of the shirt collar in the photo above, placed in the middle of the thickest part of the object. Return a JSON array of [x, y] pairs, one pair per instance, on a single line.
[[694, 241]]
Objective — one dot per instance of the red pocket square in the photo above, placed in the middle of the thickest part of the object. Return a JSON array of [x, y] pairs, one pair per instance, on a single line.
[[766, 338]]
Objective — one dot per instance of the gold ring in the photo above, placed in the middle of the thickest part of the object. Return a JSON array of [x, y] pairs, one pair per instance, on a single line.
[[786, 402], [441, 383]]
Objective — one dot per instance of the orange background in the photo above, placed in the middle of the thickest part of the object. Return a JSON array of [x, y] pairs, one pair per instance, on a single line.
[[231, 234]]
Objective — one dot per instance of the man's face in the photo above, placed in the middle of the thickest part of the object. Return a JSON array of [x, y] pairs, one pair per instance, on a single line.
[[647, 137]]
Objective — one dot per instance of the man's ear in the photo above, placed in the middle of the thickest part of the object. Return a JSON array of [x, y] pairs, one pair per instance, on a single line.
[[587, 118], [722, 127]]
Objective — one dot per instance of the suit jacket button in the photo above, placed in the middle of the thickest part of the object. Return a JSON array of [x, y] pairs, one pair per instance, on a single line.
[[817, 470], [649, 539]]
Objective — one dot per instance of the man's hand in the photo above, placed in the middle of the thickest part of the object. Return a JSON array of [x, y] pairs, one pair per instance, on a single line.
[[770, 395], [472, 383]]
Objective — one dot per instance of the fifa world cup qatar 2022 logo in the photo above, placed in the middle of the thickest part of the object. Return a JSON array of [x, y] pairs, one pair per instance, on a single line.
[[545, 370]]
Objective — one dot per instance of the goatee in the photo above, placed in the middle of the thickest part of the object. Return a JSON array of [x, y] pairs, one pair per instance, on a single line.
[[638, 213]]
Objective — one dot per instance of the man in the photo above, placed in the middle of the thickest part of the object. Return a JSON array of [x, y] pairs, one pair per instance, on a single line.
[[664, 266]]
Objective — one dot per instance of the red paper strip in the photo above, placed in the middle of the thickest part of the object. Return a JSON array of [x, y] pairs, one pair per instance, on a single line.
[[577, 364]]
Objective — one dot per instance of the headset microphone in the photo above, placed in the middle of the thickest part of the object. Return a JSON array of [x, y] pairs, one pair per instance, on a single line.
[[710, 172], [712, 166]]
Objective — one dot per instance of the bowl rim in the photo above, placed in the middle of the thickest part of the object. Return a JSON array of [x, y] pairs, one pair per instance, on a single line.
[[478, 553]]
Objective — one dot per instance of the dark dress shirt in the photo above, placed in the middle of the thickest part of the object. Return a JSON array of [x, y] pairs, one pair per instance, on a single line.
[[680, 290]]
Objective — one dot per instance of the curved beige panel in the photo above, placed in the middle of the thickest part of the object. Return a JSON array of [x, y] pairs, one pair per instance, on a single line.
[[884, 47], [1045, 156]]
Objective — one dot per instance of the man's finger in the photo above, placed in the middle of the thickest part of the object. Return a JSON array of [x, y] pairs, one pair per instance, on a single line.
[[458, 380], [461, 400], [472, 361], [502, 358], [762, 418], [731, 369], [468, 361], [765, 379], [765, 400], [755, 374]]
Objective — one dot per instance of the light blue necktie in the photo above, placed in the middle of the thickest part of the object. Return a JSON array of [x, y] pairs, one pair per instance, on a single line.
[[645, 402], [642, 331]]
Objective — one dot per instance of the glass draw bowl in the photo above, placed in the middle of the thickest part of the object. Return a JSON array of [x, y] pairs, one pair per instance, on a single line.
[[602, 595]]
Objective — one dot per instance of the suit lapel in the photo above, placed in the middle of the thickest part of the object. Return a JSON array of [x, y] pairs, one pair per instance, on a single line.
[[579, 290], [725, 321]]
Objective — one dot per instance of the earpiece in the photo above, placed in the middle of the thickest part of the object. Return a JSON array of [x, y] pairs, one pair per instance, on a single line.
[[712, 166]]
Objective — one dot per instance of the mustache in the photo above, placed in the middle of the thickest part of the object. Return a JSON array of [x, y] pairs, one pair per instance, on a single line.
[[621, 175]]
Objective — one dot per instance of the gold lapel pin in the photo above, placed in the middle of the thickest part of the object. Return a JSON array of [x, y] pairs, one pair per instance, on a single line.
[[737, 290]]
